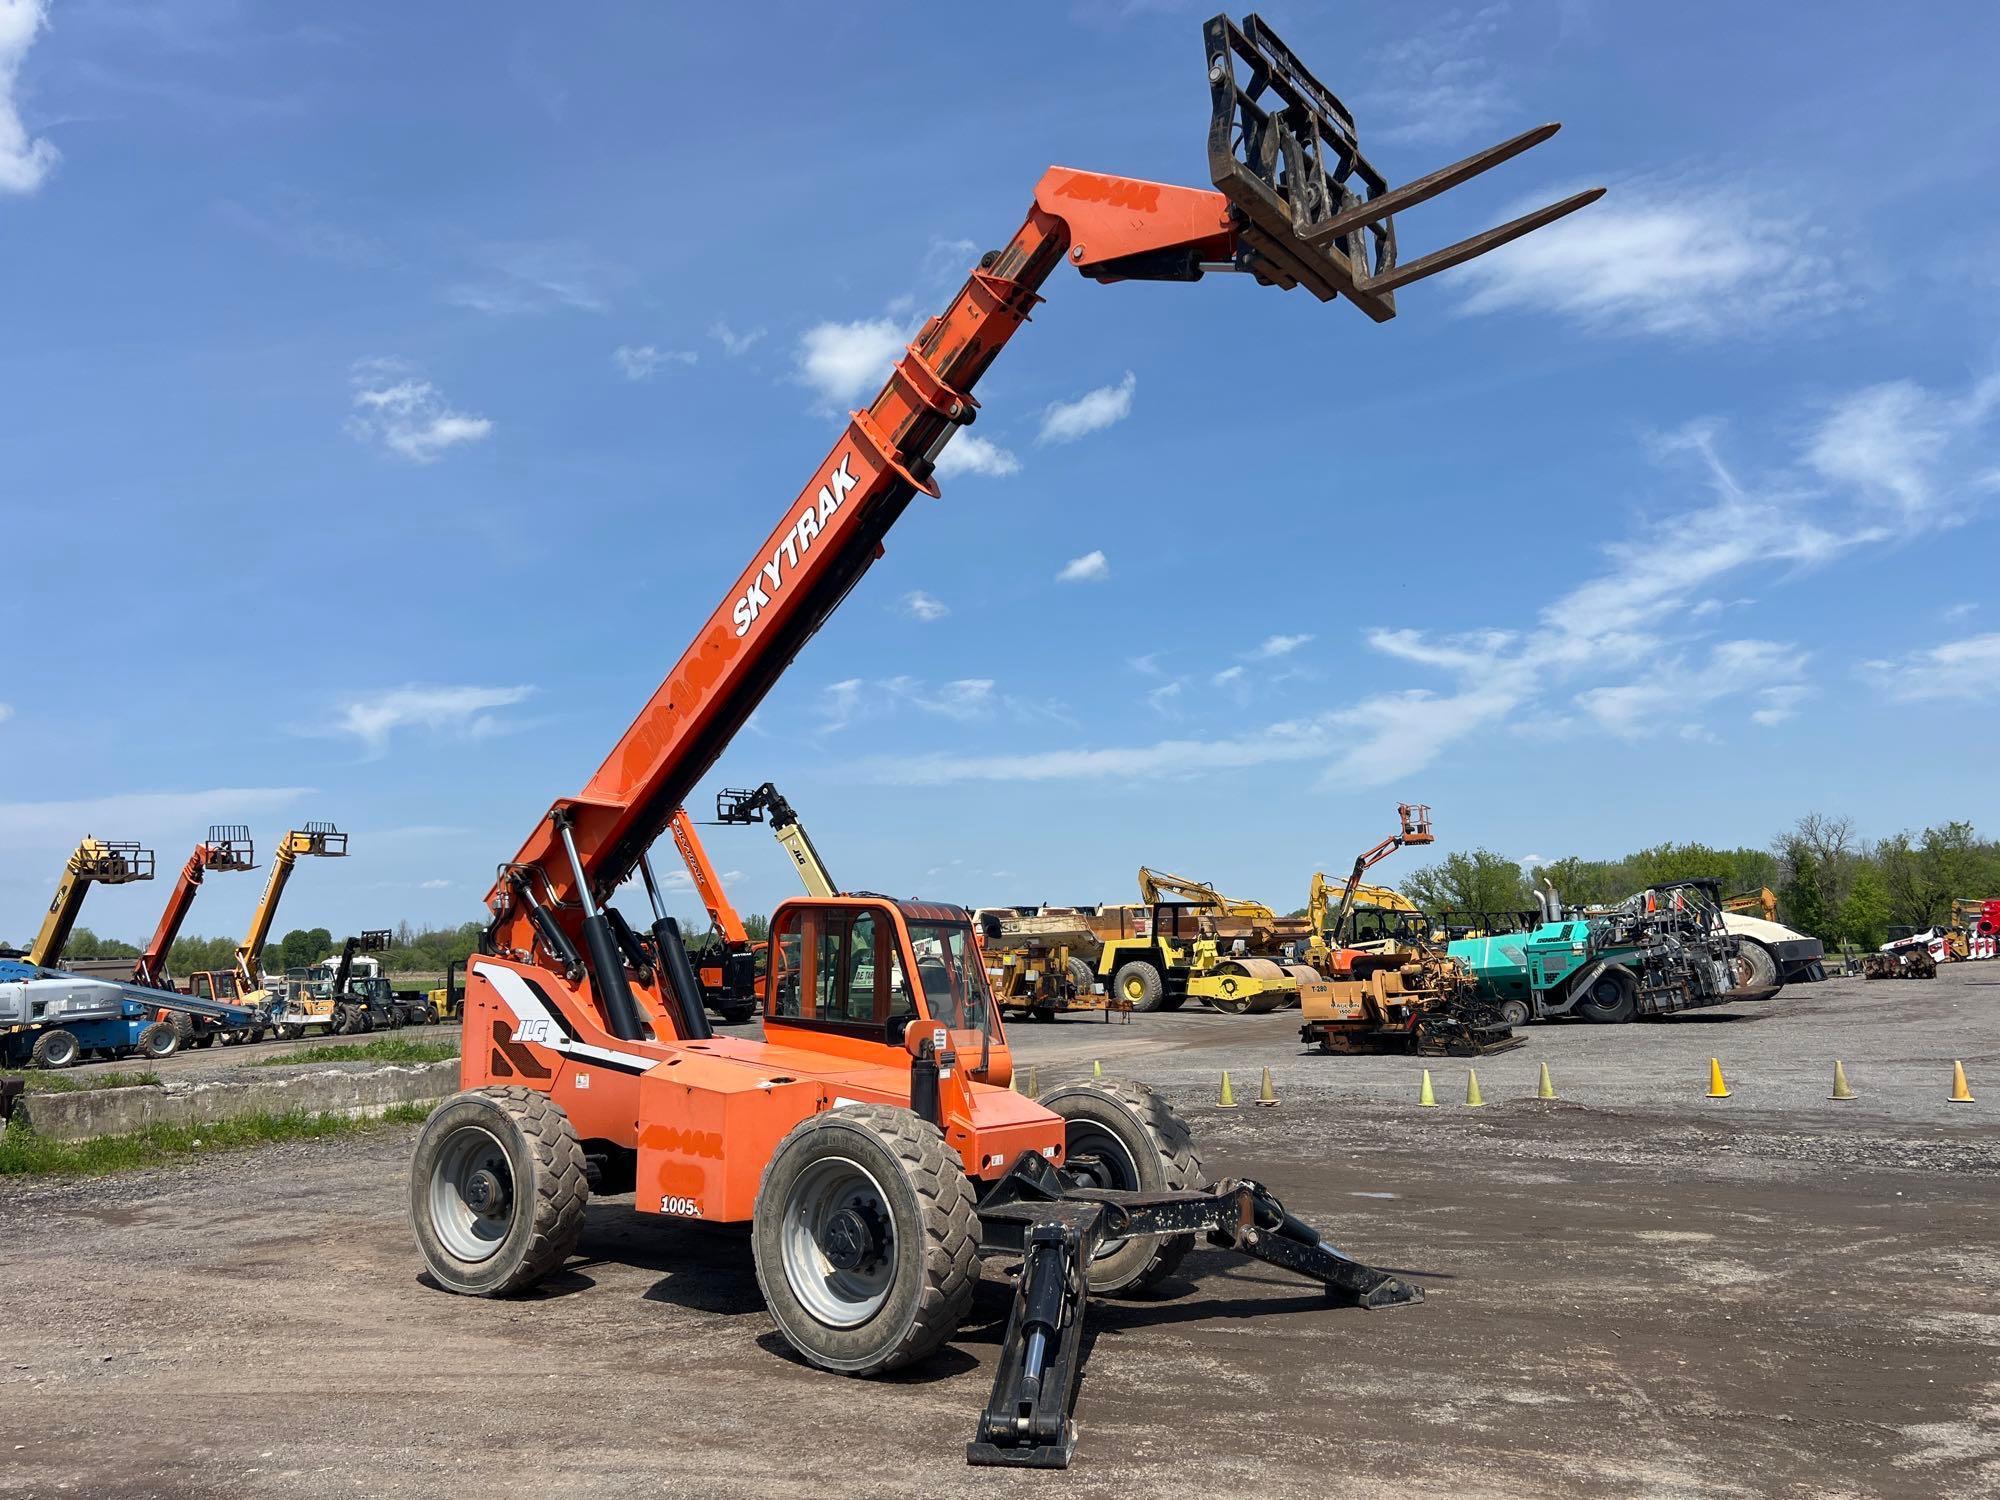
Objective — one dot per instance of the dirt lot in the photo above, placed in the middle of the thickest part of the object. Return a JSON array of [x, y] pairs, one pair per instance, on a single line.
[[1634, 1291]]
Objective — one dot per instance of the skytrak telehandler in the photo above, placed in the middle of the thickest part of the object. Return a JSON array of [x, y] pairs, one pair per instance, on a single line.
[[93, 862], [1393, 990], [227, 847], [869, 1140], [243, 985]]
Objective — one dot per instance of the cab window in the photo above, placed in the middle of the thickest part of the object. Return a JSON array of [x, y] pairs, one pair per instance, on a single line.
[[839, 968]]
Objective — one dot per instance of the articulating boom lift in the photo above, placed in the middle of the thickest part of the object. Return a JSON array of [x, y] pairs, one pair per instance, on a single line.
[[869, 1139], [94, 862]]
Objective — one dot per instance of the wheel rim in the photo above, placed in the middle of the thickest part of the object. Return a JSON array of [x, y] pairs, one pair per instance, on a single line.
[[1514, 1013], [838, 1203], [1106, 1161], [1135, 987], [63, 1054], [472, 1192]]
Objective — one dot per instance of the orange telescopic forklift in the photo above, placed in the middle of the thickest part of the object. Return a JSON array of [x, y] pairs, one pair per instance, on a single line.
[[227, 847], [728, 967], [869, 1139]]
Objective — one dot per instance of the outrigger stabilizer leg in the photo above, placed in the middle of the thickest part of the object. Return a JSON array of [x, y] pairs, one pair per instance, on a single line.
[[1028, 1421]]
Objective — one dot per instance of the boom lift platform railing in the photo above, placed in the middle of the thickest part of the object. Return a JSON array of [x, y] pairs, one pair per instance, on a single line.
[[579, 1029]]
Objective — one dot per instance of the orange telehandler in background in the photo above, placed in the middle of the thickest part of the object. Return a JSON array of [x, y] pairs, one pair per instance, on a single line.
[[227, 847], [869, 1141], [727, 965], [244, 984]]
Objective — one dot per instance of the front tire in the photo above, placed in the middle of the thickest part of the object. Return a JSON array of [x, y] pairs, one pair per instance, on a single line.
[[497, 1191], [56, 1049], [1516, 1012], [866, 1239], [159, 1040], [1139, 983], [1125, 1136]]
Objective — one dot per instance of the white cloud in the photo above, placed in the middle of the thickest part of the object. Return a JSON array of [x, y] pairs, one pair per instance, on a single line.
[[1665, 259], [1966, 669], [734, 344], [1164, 699], [535, 277], [925, 607], [970, 454], [1779, 704], [1440, 85], [965, 700], [1897, 444], [1963, 610], [407, 415], [1066, 421], [1280, 645], [1670, 687], [642, 361], [1226, 676], [433, 885], [463, 711], [6, 712], [25, 163], [843, 361], [1092, 567]]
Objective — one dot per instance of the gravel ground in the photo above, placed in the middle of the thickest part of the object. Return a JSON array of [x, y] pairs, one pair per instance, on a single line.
[[1631, 1291]]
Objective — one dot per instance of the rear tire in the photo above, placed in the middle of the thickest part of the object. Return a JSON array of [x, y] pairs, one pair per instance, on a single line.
[[159, 1040], [1516, 1012], [1753, 968], [56, 1049], [1082, 976], [878, 1188], [1612, 998], [1133, 1141], [1139, 983], [184, 1027], [497, 1191]]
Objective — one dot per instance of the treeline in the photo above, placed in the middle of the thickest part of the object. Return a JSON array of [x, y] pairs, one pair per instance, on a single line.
[[1830, 883]]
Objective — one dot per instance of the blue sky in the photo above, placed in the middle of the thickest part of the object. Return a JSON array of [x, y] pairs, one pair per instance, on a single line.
[[386, 398]]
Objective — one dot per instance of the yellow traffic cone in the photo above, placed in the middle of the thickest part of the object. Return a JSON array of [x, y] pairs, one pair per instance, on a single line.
[[1267, 1095], [1096, 1068], [1717, 1089], [1427, 1099], [1228, 1099], [1840, 1088], [1473, 1098], [1546, 1089], [1961, 1093]]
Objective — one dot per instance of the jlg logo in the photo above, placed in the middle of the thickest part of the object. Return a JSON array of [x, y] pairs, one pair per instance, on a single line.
[[812, 520], [542, 1031]]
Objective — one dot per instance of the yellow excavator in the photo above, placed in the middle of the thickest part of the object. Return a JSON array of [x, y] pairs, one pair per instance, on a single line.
[[95, 862], [242, 985], [1388, 987]]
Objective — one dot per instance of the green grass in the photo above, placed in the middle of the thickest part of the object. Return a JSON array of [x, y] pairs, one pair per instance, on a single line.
[[387, 1049], [25, 1154], [41, 1081]]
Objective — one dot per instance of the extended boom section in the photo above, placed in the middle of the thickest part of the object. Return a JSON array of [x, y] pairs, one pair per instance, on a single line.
[[92, 862], [227, 847]]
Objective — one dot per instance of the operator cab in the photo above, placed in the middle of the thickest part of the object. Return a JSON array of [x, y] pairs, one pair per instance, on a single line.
[[844, 966]]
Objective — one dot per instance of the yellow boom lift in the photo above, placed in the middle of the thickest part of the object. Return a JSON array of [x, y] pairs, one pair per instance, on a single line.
[[95, 862]]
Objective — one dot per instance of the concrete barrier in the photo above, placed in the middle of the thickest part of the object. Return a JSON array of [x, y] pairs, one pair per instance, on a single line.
[[336, 1089]]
